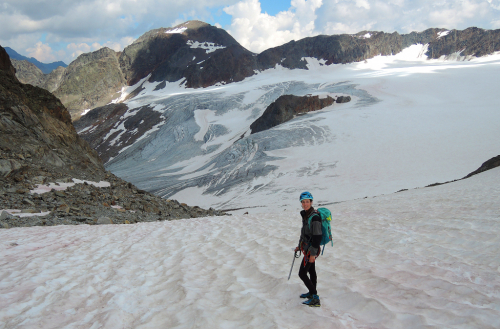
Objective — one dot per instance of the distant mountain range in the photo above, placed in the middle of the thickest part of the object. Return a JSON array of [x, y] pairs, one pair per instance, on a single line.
[[199, 55], [46, 68], [202, 119]]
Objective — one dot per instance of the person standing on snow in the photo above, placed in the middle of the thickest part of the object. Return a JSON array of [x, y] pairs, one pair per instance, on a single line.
[[309, 244]]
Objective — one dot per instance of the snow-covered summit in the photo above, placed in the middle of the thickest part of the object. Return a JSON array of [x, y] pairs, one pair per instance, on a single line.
[[210, 47]]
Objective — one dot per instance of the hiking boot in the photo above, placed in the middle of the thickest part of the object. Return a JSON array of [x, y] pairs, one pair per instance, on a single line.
[[306, 295], [313, 302]]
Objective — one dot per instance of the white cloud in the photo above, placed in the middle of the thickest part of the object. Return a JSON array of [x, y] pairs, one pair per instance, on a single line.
[[42, 52], [76, 50], [363, 4], [350, 16], [115, 23], [258, 31], [106, 22]]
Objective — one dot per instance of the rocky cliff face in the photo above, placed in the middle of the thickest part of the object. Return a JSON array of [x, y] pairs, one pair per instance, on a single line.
[[89, 81], [341, 49], [286, 107], [195, 51], [37, 126], [469, 42], [29, 73]]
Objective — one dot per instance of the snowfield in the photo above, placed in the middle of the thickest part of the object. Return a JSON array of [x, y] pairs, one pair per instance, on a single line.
[[423, 258]]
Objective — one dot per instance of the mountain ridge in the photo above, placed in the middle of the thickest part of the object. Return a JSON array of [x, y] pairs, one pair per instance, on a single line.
[[46, 68], [199, 55]]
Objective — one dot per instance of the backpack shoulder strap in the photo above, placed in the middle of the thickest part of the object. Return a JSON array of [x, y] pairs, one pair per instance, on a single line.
[[315, 212]]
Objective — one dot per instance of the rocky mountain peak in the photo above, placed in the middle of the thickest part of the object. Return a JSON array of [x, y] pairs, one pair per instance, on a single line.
[[89, 81], [171, 54], [188, 26], [183, 28], [6, 65]]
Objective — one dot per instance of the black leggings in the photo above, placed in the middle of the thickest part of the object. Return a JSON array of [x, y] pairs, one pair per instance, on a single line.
[[309, 282]]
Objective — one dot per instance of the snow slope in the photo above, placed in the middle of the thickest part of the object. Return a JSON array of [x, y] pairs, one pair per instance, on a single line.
[[412, 122], [424, 258]]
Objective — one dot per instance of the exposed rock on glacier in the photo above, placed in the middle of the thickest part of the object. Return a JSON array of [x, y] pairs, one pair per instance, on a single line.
[[286, 107]]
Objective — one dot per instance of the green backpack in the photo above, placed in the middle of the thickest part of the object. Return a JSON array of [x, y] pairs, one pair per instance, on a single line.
[[326, 228]]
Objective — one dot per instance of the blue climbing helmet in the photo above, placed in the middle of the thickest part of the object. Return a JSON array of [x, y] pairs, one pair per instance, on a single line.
[[305, 195]]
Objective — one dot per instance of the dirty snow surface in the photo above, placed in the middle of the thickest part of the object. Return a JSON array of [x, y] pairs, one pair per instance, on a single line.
[[423, 258]]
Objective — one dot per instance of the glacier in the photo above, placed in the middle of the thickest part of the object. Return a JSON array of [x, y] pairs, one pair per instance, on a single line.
[[411, 122]]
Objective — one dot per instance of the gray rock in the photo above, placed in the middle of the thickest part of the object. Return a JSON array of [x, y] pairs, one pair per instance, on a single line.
[[4, 225], [343, 99], [28, 211], [7, 166], [27, 201], [39, 179], [104, 220], [5, 215], [53, 159]]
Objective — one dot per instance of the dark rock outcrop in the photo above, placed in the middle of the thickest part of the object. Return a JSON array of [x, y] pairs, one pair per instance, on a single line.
[[343, 99], [97, 124], [7, 71], [36, 125], [490, 164], [472, 41], [286, 107]]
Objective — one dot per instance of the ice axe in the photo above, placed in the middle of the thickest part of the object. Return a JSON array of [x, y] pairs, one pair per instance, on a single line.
[[294, 256]]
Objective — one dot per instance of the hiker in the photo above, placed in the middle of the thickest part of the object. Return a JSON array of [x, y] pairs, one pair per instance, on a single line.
[[309, 244]]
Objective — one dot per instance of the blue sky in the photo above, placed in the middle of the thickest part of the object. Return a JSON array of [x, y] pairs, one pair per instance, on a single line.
[[53, 30]]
